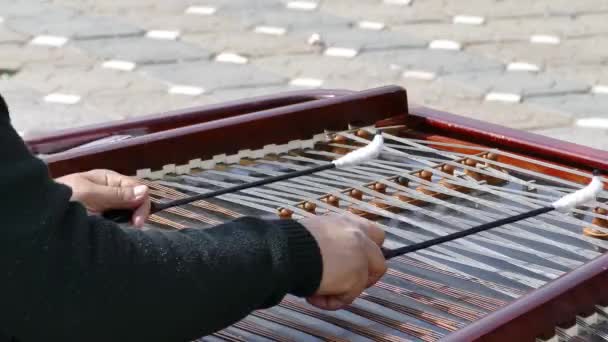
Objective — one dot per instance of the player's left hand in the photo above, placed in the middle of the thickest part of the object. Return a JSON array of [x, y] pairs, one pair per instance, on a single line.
[[102, 190]]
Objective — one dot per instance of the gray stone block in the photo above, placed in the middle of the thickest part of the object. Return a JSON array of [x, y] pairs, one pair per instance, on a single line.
[[518, 82], [377, 10], [142, 50], [67, 23], [360, 39], [514, 115], [249, 44], [153, 18], [138, 101], [437, 61], [19, 8], [328, 69], [31, 115], [246, 93], [9, 36], [578, 105], [300, 22], [23, 54], [587, 50], [212, 75]]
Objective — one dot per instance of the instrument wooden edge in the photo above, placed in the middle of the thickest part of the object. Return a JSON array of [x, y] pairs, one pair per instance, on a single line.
[[517, 141], [232, 134], [69, 138], [538, 313]]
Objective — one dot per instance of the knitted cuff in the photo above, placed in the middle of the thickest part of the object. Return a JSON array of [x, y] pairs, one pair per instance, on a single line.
[[306, 263]]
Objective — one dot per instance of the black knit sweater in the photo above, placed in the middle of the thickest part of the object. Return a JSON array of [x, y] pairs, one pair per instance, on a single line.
[[67, 276]]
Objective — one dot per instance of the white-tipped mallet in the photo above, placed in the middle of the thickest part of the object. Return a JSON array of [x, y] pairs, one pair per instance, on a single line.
[[357, 157], [564, 205]]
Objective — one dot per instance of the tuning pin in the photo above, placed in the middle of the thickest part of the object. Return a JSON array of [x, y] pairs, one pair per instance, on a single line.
[[402, 181], [447, 168], [445, 181], [332, 200], [285, 213], [310, 207], [600, 222], [361, 133], [427, 176], [379, 187], [473, 164], [494, 180], [339, 139], [356, 194]]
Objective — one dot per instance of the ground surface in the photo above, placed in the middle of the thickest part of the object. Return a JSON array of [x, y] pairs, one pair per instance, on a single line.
[[535, 65]]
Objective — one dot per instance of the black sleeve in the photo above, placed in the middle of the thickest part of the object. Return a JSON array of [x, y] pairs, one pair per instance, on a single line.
[[67, 276]]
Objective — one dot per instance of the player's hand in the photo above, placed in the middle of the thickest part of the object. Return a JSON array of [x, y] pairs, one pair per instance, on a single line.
[[102, 190], [352, 259]]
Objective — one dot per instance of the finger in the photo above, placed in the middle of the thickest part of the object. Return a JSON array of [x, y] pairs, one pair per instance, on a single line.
[[110, 178], [100, 177], [357, 287], [372, 230], [330, 303], [142, 213], [112, 197], [376, 263]]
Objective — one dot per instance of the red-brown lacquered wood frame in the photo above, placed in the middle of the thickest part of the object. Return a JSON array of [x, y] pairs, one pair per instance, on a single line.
[[228, 134], [204, 132], [62, 140]]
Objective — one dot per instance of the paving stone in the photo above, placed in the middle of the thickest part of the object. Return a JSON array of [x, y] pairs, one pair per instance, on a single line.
[[591, 74], [360, 39], [329, 69], [592, 137], [212, 75], [249, 44], [377, 10], [589, 50], [17, 8], [245, 93], [578, 105], [437, 90], [133, 102], [31, 115], [69, 23], [35, 76], [108, 7], [22, 54], [506, 30], [9, 36], [519, 116], [591, 24], [142, 50], [227, 5], [436, 61], [511, 9], [86, 80], [154, 19], [391, 51], [523, 83], [300, 22]]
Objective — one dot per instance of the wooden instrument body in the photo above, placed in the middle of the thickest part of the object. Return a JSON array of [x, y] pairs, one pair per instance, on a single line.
[[181, 136]]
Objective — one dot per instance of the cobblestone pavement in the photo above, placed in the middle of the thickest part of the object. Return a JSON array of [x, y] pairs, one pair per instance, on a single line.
[[535, 65]]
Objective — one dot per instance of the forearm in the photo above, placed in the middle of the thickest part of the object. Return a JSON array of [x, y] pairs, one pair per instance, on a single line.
[[157, 286], [71, 274], [68, 276]]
